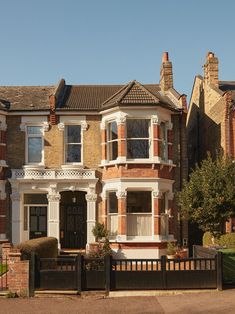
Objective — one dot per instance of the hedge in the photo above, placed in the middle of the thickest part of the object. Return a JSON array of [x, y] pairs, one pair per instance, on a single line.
[[226, 240], [43, 247]]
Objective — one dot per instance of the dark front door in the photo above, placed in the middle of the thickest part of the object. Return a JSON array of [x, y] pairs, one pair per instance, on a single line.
[[74, 235], [38, 221]]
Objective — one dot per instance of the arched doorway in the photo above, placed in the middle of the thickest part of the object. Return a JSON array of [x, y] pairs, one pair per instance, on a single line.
[[73, 220]]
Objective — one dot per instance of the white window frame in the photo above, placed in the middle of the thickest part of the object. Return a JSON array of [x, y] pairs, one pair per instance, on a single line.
[[164, 141], [111, 214], [65, 143], [27, 136], [150, 214], [111, 141], [149, 139]]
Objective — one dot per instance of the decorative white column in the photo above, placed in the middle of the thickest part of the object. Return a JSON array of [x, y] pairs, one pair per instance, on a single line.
[[17, 217], [54, 216], [91, 216]]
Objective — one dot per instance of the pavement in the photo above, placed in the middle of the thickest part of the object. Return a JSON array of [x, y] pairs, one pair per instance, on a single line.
[[210, 301]]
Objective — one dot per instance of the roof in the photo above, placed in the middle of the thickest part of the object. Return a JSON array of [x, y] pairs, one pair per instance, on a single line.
[[82, 97], [85, 97], [100, 97], [25, 97], [228, 86]]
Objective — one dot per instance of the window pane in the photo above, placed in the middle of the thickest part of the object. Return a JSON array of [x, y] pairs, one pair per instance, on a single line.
[[34, 130], [42, 223], [112, 131], [33, 223], [139, 202], [137, 149], [138, 128], [73, 153], [34, 149], [163, 131], [73, 134], [113, 202], [113, 150]]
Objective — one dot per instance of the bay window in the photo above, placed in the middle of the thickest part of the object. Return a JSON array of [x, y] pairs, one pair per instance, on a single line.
[[112, 214], [34, 142], [163, 141], [73, 144], [139, 213], [112, 140], [138, 142]]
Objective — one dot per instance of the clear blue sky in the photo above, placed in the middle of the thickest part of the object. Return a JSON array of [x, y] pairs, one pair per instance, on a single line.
[[113, 41]]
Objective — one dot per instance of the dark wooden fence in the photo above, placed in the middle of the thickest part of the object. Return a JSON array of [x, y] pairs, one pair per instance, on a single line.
[[3, 273], [81, 273]]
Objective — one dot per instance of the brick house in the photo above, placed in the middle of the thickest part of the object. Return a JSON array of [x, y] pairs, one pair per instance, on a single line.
[[72, 155], [211, 117]]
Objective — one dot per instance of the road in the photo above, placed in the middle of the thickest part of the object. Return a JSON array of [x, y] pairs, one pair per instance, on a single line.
[[195, 302]]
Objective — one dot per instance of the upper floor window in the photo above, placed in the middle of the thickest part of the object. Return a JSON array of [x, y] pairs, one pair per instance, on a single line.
[[163, 139], [138, 143], [73, 143], [112, 139], [34, 142]]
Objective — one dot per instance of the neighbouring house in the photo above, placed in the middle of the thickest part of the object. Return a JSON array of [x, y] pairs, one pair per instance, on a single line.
[[74, 154], [211, 117]]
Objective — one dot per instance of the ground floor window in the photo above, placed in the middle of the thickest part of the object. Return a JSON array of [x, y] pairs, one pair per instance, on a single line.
[[112, 214], [139, 213]]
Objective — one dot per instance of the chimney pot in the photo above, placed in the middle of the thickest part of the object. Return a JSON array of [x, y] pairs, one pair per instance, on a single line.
[[210, 55], [165, 57]]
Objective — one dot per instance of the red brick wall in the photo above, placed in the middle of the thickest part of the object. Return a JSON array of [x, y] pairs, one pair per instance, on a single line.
[[18, 271]]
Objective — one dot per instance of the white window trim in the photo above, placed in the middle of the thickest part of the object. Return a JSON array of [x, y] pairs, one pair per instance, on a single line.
[[65, 147], [73, 120], [44, 128], [111, 141], [149, 140]]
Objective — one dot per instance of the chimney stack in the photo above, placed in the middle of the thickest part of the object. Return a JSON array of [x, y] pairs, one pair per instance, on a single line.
[[211, 70], [166, 75]]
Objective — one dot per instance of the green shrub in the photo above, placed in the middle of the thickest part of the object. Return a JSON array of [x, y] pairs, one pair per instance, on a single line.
[[42, 247], [99, 231], [227, 240]]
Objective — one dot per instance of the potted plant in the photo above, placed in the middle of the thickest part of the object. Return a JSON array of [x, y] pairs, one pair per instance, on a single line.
[[100, 232], [171, 250]]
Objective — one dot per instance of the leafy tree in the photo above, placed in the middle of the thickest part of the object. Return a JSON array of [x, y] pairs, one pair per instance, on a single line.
[[209, 197]]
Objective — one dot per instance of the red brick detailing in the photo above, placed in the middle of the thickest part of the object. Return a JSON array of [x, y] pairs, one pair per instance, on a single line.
[[3, 137], [18, 271], [156, 143], [121, 140], [53, 118], [3, 224], [137, 171], [157, 220], [2, 207], [104, 212], [232, 133], [170, 152], [122, 216], [156, 131], [104, 145], [2, 152], [169, 136]]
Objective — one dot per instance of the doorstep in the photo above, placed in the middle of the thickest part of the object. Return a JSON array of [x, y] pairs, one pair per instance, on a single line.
[[152, 293]]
